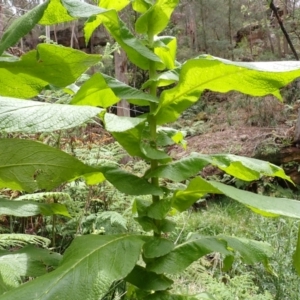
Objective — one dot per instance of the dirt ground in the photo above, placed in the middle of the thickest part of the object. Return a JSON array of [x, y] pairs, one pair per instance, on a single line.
[[236, 124]]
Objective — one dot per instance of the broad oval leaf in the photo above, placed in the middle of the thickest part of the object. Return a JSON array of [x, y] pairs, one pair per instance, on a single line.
[[88, 268], [27, 116], [156, 247], [21, 26], [127, 131], [102, 90], [148, 281], [31, 208], [244, 168], [136, 52], [166, 52], [29, 166], [95, 92], [182, 256], [156, 18], [266, 206], [220, 75], [114, 4], [128, 183], [49, 64]]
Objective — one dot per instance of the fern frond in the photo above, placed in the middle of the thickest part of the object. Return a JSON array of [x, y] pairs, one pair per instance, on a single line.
[[19, 240]]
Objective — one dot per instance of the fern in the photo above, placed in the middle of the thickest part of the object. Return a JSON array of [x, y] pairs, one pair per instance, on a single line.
[[19, 240], [49, 197]]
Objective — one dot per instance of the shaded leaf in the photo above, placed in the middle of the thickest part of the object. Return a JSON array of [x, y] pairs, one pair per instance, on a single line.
[[196, 189], [146, 280], [127, 131], [183, 255], [88, 268], [128, 183], [49, 64], [264, 205], [18, 115], [21, 26], [220, 75], [156, 247], [29, 261], [29, 166], [30, 208], [244, 168], [124, 91], [197, 246]]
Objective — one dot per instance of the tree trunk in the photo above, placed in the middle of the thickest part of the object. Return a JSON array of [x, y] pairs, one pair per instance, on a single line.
[[123, 108]]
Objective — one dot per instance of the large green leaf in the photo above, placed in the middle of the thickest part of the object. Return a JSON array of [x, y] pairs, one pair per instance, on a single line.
[[182, 256], [163, 79], [31, 208], [88, 268], [165, 49], [156, 18], [196, 189], [244, 168], [55, 13], [156, 247], [124, 91], [149, 281], [136, 52], [21, 26], [66, 10], [220, 75], [18, 115], [28, 165], [127, 131], [102, 90], [95, 92], [267, 206], [28, 261], [57, 65], [114, 4], [129, 183]]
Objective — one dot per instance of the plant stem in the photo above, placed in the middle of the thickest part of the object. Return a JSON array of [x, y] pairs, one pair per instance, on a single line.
[[153, 126]]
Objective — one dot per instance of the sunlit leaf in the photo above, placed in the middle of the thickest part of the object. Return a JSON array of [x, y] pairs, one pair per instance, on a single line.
[[220, 75], [49, 64], [31, 208], [21, 26], [156, 18], [27, 116], [76, 277], [28, 165]]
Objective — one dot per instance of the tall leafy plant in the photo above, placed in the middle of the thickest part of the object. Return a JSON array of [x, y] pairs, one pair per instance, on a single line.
[[93, 263]]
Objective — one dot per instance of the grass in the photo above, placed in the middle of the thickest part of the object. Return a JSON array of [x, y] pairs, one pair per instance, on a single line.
[[242, 282]]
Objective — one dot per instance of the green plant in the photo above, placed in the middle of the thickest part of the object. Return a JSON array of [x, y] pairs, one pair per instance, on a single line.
[[93, 263]]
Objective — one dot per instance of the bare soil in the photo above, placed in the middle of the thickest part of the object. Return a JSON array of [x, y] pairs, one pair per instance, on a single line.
[[237, 124]]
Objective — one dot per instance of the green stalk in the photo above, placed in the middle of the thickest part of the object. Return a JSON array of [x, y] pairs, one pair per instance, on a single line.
[[153, 125]]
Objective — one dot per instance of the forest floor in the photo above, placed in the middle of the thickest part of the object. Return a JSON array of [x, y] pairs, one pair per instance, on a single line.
[[236, 124]]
